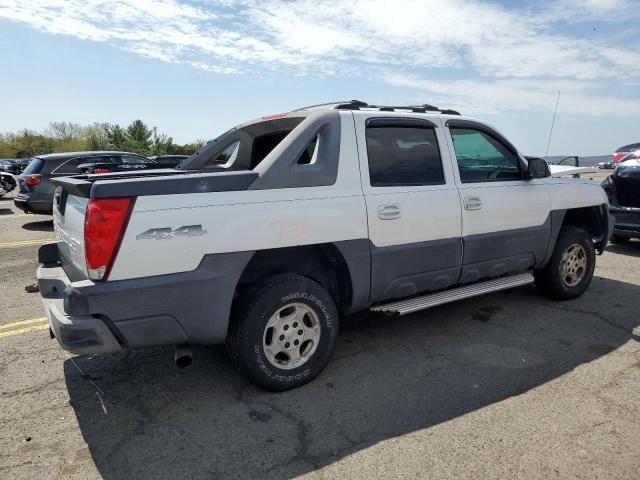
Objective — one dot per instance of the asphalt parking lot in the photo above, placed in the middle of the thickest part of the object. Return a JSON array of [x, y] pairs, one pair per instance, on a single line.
[[508, 385]]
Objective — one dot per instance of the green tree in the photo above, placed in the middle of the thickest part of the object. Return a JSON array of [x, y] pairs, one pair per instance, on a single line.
[[138, 137], [64, 131], [97, 136], [68, 136], [161, 144], [117, 137]]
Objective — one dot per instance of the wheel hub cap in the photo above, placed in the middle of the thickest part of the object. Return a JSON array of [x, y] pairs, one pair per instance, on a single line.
[[573, 265], [291, 336]]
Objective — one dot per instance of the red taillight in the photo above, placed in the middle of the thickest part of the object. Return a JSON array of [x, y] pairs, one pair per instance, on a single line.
[[33, 180], [102, 170], [619, 156], [104, 226]]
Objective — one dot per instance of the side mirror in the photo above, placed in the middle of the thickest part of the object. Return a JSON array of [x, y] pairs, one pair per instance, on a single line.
[[538, 168]]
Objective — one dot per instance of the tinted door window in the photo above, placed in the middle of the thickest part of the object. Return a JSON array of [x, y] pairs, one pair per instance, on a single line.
[[403, 156], [482, 158]]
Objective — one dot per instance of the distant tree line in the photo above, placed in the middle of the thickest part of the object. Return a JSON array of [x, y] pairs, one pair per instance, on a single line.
[[137, 137]]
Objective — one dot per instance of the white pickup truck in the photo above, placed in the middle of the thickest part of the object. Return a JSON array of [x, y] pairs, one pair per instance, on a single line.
[[272, 231]]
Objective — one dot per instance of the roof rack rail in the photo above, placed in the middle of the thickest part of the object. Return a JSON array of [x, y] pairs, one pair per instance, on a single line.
[[448, 111], [358, 104], [341, 104]]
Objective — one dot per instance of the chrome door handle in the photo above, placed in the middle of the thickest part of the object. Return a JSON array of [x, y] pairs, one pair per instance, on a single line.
[[389, 211], [472, 203]]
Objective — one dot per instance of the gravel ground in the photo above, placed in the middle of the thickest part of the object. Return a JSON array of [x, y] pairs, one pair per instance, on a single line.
[[509, 385]]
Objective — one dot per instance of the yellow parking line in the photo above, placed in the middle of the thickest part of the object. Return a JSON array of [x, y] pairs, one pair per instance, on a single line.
[[24, 330], [22, 322], [19, 215], [21, 243]]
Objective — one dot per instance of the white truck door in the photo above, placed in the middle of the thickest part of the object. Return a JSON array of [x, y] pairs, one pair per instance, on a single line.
[[506, 222], [413, 207]]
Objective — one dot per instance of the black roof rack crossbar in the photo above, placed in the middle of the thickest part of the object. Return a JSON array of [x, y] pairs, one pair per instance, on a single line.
[[351, 105]]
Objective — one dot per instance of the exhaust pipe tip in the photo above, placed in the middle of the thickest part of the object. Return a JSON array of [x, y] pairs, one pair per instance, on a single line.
[[183, 357]]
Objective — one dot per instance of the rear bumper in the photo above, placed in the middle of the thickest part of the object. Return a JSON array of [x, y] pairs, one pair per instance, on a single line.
[[29, 206], [190, 307], [627, 221], [81, 334]]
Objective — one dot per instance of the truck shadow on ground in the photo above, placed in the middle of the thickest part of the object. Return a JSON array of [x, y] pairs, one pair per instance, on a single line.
[[39, 226], [631, 248], [142, 418]]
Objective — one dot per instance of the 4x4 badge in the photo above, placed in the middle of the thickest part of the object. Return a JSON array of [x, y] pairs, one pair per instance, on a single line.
[[167, 233]]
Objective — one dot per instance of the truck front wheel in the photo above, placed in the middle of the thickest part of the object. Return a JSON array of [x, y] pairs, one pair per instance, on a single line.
[[283, 331], [570, 270]]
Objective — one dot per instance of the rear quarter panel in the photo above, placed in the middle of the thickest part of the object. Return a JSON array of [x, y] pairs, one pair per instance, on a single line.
[[245, 220]]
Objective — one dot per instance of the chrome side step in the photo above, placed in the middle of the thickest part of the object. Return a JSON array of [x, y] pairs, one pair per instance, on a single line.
[[410, 305]]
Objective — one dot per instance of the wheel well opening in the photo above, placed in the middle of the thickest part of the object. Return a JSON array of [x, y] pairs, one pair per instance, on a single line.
[[590, 219], [323, 263]]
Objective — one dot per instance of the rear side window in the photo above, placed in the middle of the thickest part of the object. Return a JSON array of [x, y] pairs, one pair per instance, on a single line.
[[35, 166], [69, 167], [400, 155], [483, 158], [310, 154], [229, 153]]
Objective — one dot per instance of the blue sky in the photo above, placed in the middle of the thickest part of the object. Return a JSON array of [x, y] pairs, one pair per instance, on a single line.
[[196, 68]]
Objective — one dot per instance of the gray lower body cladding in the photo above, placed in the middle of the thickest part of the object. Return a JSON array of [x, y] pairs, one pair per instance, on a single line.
[[189, 307], [499, 253], [404, 270]]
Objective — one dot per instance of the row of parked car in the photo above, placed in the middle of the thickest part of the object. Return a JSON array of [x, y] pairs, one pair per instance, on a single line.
[[36, 189]]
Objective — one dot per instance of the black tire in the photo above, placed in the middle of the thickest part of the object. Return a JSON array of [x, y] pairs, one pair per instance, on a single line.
[[551, 282], [255, 307], [619, 239]]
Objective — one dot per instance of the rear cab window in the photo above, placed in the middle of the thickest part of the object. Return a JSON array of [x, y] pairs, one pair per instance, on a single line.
[[244, 147]]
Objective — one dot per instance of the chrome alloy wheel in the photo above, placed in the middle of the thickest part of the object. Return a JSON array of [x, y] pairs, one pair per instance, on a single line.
[[573, 265], [291, 336]]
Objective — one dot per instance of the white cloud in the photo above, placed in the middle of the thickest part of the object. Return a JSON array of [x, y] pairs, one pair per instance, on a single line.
[[499, 48], [503, 95]]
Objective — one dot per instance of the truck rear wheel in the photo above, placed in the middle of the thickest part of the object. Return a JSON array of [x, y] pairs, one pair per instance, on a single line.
[[283, 332], [570, 270]]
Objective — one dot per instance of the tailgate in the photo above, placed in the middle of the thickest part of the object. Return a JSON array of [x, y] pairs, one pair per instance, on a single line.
[[68, 220]]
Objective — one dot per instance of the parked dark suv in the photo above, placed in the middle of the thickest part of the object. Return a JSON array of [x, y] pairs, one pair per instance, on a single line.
[[36, 189], [623, 190]]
